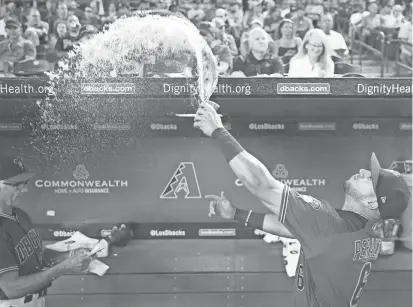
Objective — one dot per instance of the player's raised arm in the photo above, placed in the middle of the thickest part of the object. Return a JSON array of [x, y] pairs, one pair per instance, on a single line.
[[252, 173], [267, 222]]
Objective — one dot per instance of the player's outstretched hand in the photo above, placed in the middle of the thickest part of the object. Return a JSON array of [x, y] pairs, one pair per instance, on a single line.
[[120, 236], [207, 119], [221, 205]]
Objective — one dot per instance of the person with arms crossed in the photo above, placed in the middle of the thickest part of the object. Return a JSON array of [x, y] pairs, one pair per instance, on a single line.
[[26, 268], [338, 246]]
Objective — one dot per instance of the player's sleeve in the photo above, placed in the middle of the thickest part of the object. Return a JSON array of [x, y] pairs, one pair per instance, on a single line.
[[308, 219], [8, 261]]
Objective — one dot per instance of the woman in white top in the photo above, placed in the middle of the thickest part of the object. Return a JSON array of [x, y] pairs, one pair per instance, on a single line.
[[313, 59]]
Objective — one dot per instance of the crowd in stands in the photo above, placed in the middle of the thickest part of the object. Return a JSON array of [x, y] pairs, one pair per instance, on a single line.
[[255, 38]]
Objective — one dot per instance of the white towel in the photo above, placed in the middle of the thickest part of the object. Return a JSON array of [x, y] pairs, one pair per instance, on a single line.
[[95, 246]]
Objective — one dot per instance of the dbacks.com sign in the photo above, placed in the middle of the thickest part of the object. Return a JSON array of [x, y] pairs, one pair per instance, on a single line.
[[80, 184], [299, 184]]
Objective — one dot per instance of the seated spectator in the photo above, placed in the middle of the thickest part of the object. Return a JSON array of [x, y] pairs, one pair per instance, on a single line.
[[287, 44], [47, 12], [387, 7], [72, 36], [123, 9], [219, 50], [292, 12], [235, 13], [244, 45], [372, 21], [272, 21], [398, 15], [285, 8], [314, 57], [73, 7], [255, 12], [302, 23], [63, 44], [196, 14], [97, 8], [15, 48], [260, 61], [226, 38], [143, 5], [112, 15], [406, 34], [61, 15], [90, 19], [36, 30], [232, 28], [220, 14], [209, 8], [393, 18], [12, 11], [335, 40], [356, 19]]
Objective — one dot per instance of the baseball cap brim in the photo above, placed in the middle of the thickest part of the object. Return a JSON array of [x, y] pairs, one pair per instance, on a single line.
[[20, 177], [374, 169]]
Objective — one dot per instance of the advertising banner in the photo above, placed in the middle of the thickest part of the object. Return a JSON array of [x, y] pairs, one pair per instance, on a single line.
[[164, 180], [181, 87]]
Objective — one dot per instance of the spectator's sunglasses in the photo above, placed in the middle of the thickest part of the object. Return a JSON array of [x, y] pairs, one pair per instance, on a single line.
[[18, 185]]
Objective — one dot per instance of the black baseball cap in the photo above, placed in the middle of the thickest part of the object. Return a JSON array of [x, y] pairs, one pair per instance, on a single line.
[[13, 171], [393, 194]]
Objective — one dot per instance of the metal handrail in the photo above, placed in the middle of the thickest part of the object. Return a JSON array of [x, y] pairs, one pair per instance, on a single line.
[[362, 45], [399, 64]]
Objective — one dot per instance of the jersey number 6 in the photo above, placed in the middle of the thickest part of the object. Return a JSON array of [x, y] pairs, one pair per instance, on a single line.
[[364, 274]]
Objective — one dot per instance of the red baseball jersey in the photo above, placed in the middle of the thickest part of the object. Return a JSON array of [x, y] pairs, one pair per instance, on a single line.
[[338, 248]]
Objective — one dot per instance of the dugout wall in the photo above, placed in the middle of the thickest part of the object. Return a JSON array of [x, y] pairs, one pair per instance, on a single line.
[[159, 180]]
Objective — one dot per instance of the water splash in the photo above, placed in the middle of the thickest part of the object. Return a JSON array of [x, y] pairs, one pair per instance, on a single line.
[[64, 131]]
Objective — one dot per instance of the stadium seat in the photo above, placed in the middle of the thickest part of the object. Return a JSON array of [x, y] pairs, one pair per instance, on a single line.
[[286, 59], [32, 68], [286, 69], [342, 68], [353, 75], [336, 59], [41, 52]]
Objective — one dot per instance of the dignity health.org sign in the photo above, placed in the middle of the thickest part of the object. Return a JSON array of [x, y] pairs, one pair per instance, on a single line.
[[81, 184]]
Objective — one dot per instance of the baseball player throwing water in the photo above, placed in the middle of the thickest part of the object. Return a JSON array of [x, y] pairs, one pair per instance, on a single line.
[[338, 246], [26, 268]]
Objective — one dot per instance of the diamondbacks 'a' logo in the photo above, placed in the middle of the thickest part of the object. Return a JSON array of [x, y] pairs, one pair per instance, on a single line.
[[313, 202], [183, 183], [383, 199], [403, 167]]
